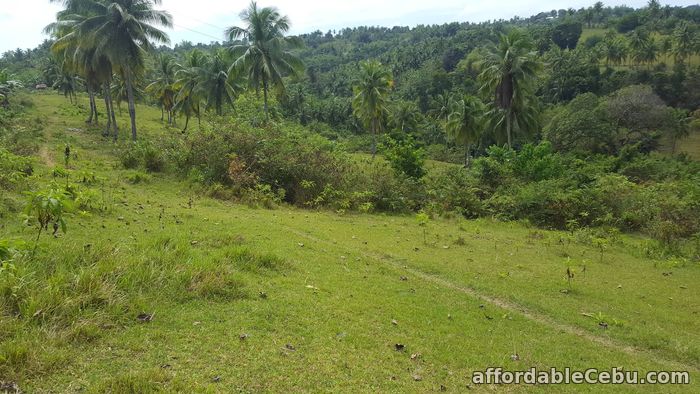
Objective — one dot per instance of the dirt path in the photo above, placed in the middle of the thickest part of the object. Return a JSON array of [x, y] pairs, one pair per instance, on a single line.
[[45, 156], [507, 305]]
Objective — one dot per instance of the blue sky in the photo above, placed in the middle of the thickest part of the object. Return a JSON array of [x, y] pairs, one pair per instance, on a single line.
[[22, 21]]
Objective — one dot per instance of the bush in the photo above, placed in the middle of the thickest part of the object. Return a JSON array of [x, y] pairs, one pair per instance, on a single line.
[[142, 154], [129, 158], [405, 158], [153, 159], [284, 159], [454, 190]]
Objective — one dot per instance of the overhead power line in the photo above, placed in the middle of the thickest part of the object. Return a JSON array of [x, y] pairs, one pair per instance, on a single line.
[[199, 32]]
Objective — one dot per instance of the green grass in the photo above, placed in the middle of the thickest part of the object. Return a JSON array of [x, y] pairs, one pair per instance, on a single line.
[[286, 299]]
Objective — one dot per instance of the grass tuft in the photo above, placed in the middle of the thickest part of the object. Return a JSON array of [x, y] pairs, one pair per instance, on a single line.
[[217, 285], [247, 260]]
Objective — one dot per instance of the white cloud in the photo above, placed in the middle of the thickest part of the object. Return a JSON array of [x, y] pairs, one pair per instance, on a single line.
[[204, 20]]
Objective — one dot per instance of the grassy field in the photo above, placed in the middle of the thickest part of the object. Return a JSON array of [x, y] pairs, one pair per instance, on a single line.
[[689, 145], [246, 299]]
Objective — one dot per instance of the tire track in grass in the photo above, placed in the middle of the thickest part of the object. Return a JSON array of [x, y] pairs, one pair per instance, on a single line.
[[503, 304]]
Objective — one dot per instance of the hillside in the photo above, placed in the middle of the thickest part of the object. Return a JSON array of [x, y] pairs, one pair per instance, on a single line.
[[369, 209], [246, 299]]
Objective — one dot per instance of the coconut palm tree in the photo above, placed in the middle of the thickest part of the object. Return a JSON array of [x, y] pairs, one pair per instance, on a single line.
[[188, 86], [639, 43], [370, 97], [67, 83], [404, 116], [464, 124], [263, 56], [680, 126], [441, 106], [684, 41], [508, 72], [648, 53], [162, 87], [215, 82], [598, 11], [614, 52]]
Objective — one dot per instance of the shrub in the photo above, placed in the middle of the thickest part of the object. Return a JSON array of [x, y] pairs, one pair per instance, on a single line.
[[143, 154], [153, 159], [405, 158], [288, 159], [454, 190], [129, 158], [537, 163], [262, 195]]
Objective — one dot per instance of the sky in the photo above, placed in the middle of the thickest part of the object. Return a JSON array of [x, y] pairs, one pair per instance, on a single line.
[[22, 21]]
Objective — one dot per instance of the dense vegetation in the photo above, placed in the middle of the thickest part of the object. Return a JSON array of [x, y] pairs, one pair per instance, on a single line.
[[568, 145]]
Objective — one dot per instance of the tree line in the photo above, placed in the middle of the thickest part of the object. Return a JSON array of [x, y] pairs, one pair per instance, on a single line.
[[460, 84]]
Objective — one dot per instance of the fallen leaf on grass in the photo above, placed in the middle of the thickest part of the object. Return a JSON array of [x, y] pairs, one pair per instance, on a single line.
[[9, 387], [145, 317]]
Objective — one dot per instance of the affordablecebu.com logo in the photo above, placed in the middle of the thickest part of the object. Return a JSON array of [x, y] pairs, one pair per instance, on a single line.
[[569, 376]]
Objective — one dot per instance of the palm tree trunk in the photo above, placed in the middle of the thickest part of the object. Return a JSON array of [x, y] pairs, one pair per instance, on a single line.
[[162, 113], [466, 156], [115, 126], [111, 117], [132, 104], [105, 133], [187, 122], [93, 108], [374, 138], [508, 129], [94, 105], [267, 115]]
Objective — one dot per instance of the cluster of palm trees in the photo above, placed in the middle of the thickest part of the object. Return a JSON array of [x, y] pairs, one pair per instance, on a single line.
[[98, 39], [105, 43], [259, 58], [642, 48], [508, 71]]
